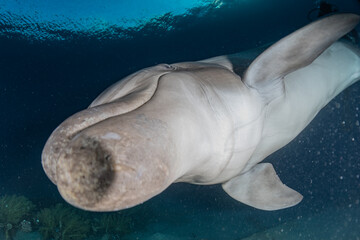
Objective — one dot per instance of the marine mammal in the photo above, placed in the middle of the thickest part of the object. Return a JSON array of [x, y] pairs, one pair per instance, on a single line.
[[206, 122]]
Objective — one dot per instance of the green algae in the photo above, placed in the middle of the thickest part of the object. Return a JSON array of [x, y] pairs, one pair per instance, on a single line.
[[62, 223]]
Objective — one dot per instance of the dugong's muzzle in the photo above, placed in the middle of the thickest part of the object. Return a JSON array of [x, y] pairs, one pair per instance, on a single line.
[[113, 164]]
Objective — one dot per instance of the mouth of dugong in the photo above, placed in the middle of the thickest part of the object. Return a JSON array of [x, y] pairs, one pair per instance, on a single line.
[[84, 172], [106, 172], [115, 164]]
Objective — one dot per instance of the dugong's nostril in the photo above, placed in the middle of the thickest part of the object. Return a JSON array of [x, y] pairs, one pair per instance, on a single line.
[[84, 172]]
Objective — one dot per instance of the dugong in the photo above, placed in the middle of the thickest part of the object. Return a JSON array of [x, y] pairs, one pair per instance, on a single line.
[[205, 122]]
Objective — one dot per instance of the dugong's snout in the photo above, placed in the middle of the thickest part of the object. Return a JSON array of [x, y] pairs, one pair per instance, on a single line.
[[115, 164], [85, 172]]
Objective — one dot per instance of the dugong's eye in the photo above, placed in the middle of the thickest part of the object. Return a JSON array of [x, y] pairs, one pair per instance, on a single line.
[[169, 67]]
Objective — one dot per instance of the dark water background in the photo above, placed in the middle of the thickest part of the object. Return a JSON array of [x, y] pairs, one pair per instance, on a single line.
[[44, 81]]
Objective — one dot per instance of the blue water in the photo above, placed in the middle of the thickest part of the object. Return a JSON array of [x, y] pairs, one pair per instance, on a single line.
[[56, 57]]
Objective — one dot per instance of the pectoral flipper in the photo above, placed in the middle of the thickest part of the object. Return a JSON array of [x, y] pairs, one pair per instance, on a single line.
[[261, 188]]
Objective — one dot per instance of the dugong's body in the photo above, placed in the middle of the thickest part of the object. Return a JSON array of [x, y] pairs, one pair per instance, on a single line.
[[205, 122]]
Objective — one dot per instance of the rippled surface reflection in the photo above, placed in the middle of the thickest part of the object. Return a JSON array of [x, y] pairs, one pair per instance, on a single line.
[[60, 20]]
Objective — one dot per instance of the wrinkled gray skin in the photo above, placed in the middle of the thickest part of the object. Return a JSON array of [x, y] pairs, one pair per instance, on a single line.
[[205, 122]]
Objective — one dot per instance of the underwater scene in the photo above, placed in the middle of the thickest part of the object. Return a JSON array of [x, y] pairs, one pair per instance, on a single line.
[[264, 144]]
